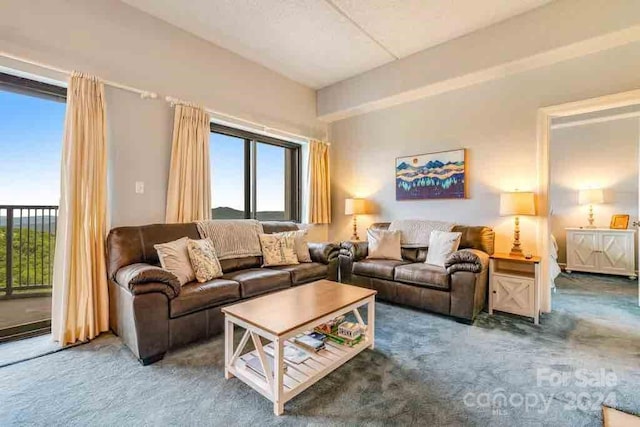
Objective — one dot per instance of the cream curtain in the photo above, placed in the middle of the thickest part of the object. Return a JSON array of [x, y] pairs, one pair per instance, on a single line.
[[189, 192], [319, 185], [80, 308]]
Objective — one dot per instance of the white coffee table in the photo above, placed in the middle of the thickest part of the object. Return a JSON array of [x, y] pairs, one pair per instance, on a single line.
[[282, 316]]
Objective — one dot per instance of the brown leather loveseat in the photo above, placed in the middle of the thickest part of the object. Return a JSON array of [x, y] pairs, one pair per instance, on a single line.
[[458, 290], [153, 316]]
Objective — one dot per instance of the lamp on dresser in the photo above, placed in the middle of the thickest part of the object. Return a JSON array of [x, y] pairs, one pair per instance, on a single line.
[[591, 197], [517, 203], [355, 207]]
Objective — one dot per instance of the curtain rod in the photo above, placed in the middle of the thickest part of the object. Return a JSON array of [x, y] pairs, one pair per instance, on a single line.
[[265, 129], [144, 94]]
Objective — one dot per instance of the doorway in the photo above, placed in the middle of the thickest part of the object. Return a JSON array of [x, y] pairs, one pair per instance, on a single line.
[[546, 117], [593, 202], [32, 121]]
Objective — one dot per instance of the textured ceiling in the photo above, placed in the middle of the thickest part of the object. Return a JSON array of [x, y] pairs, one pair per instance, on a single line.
[[320, 42]]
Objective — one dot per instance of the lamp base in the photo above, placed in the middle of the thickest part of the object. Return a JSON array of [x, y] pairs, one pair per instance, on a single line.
[[516, 252], [355, 236]]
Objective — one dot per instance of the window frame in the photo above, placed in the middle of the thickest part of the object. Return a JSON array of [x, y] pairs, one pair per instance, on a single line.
[[29, 87], [293, 165]]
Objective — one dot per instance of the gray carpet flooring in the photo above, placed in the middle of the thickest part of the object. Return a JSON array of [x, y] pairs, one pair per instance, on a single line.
[[425, 370]]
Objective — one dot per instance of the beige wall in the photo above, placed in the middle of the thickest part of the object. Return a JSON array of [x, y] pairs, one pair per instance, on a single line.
[[495, 121], [596, 155], [120, 43]]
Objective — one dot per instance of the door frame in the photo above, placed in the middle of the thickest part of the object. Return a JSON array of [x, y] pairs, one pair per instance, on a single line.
[[545, 115]]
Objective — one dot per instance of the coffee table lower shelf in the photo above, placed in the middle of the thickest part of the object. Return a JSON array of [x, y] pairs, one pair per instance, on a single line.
[[298, 377]]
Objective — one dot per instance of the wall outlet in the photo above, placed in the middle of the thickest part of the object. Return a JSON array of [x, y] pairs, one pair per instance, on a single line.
[[139, 187]]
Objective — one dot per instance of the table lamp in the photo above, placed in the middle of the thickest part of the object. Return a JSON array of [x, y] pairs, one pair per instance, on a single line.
[[591, 197], [355, 207], [517, 203]]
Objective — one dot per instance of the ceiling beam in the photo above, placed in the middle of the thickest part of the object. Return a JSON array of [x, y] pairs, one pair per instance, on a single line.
[[550, 57]]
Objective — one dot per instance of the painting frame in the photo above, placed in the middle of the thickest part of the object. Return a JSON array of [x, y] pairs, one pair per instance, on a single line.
[[439, 175], [619, 222]]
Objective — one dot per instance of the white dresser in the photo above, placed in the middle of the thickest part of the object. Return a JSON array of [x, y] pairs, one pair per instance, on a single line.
[[601, 250]]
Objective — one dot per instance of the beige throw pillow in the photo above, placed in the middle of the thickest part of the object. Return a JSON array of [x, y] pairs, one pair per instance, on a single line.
[[384, 244], [441, 245], [204, 261], [278, 250], [174, 257], [301, 244]]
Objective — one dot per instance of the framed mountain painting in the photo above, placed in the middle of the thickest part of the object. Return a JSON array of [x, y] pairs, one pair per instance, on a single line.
[[432, 176]]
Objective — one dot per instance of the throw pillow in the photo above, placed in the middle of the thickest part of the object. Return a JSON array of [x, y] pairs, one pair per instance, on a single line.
[[384, 244], [441, 245], [204, 261], [278, 250], [301, 244], [174, 257]]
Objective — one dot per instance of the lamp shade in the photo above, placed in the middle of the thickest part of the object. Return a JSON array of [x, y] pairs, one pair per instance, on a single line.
[[355, 206], [517, 203], [591, 197]]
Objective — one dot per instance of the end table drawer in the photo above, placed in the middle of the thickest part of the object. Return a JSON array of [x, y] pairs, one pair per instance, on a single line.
[[513, 294]]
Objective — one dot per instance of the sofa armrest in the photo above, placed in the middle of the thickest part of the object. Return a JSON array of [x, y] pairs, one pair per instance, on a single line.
[[469, 270], [324, 252], [472, 260], [350, 252], [143, 278], [356, 250]]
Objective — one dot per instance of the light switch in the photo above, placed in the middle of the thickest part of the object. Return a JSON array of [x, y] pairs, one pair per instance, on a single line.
[[139, 187]]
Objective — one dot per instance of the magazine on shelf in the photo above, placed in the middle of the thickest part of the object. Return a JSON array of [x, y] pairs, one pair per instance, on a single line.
[[253, 363], [292, 353], [310, 343]]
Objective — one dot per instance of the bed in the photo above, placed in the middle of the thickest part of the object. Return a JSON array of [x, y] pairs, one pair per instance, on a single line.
[[554, 267]]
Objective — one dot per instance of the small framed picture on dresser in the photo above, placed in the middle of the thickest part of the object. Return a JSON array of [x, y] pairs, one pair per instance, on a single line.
[[619, 222]]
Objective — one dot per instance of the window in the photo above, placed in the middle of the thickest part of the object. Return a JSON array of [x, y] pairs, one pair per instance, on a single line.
[[253, 176], [32, 125]]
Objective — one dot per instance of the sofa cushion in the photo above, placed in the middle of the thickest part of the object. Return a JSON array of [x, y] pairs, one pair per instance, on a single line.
[[384, 244], [380, 268], [427, 275], [204, 260], [235, 264], [174, 257], [196, 296], [256, 281], [278, 249], [306, 272], [481, 238]]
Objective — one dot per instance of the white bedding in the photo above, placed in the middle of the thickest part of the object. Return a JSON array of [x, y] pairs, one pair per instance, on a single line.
[[554, 268]]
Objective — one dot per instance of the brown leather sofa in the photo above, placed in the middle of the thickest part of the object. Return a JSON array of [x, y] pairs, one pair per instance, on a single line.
[[155, 316], [458, 290]]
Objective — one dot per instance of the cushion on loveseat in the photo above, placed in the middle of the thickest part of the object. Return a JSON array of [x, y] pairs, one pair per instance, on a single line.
[[256, 281], [305, 272], [427, 275], [380, 268], [196, 296]]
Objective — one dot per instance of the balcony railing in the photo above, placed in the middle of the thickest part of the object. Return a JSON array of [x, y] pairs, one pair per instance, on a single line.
[[27, 245]]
